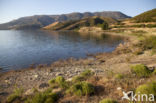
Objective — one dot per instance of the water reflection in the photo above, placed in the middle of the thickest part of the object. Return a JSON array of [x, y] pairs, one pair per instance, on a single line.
[[19, 49]]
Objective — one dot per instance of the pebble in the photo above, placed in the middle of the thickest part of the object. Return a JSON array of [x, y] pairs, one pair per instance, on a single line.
[[58, 74], [35, 76], [43, 85], [28, 92]]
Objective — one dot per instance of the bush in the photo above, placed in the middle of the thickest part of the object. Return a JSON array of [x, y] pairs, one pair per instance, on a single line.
[[58, 82], [44, 97], [138, 52], [149, 43], [87, 73], [104, 26], [119, 76], [16, 94], [82, 88], [83, 76], [141, 70], [154, 72], [149, 88], [108, 100]]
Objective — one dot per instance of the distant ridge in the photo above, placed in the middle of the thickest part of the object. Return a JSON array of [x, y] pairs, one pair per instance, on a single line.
[[39, 21]]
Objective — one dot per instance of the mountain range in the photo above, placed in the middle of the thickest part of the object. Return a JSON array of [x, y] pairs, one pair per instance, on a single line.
[[39, 21]]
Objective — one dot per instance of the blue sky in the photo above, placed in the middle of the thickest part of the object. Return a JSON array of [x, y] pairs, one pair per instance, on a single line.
[[13, 9]]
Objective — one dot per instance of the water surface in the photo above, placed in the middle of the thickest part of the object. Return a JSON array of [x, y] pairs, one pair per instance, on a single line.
[[19, 49]]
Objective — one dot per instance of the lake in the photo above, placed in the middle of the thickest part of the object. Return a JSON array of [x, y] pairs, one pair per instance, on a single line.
[[19, 49]]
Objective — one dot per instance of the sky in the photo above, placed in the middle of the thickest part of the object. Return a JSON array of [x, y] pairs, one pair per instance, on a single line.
[[13, 9]]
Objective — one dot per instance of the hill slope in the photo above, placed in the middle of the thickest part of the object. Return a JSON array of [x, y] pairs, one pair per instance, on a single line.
[[86, 22], [148, 16], [39, 21]]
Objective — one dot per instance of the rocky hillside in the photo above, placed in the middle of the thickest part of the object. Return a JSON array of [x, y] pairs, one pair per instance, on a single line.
[[39, 21], [148, 16], [86, 22]]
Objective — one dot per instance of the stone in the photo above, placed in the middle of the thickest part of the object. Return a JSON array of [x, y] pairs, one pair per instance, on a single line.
[[58, 74], [69, 79], [57, 90], [28, 92], [43, 85], [36, 76]]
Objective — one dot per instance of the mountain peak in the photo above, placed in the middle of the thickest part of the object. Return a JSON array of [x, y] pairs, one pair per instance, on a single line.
[[39, 21]]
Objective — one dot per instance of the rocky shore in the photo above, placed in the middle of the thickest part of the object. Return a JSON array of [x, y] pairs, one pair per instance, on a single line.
[[102, 64]]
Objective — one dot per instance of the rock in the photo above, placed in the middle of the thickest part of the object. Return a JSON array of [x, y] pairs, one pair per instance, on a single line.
[[119, 88], [7, 81], [1, 68], [58, 74], [3, 94], [43, 85], [69, 79], [151, 68], [36, 76], [28, 92], [57, 90]]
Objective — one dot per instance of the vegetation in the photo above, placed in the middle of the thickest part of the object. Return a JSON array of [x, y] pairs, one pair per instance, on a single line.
[[135, 26], [58, 82], [148, 16], [83, 76], [15, 95], [119, 76], [104, 26], [149, 88], [43, 97], [148, 43], [141, 70], [87, 22], [108, 100], [81, 89], [84, 87], [154, 72]]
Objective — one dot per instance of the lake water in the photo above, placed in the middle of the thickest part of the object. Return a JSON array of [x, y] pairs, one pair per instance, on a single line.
[[19, 49]]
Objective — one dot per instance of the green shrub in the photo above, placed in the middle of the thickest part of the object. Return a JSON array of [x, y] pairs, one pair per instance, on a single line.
[[83, 76], [140, 70], [87, 73], [16, 94], [58, 82], [149, 88], [149, 43], [108, 100], [138, 52], [104, 26], [82, 88], [43, 97], [119, 76], [154, 72], [78, 78]]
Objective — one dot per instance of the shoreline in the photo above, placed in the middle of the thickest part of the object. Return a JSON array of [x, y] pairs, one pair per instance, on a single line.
[[118, 61]]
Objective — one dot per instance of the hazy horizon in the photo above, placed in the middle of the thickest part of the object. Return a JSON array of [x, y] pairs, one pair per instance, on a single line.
[[11, 10]]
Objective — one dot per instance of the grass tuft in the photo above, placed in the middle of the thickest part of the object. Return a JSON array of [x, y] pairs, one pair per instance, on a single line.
[[149, 88], [15, 95], [82, 88], [43, 97], [119, 76], [83, 76], [58, 82], [140, 70]]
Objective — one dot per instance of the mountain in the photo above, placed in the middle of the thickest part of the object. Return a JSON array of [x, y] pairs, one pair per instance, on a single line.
[[148, 16], [39, 21], [86, 22]]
